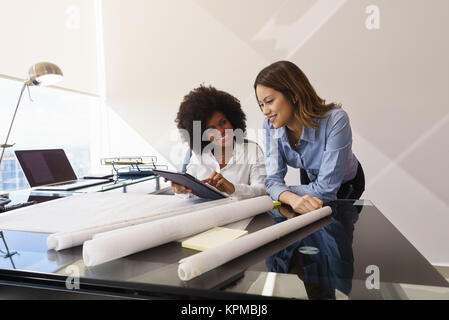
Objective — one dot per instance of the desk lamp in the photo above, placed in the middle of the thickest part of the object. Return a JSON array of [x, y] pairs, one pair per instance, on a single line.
[[40, 74]]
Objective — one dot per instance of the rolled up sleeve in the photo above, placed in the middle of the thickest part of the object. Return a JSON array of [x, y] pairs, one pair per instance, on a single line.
[[275, 164], [257, 176], [338, 148]]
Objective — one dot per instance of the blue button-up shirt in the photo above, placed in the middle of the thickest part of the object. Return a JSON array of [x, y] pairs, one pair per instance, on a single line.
[[325, 153]]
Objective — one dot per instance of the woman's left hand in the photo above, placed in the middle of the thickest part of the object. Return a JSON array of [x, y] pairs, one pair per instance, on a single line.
[[219, 182]]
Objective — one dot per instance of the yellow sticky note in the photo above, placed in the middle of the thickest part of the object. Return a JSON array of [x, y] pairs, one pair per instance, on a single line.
[[212, 238]]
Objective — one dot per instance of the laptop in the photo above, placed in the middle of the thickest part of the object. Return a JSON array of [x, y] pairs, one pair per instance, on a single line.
[[51, 170]]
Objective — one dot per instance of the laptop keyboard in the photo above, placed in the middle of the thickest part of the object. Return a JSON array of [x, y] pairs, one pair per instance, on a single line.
[[65, 183]]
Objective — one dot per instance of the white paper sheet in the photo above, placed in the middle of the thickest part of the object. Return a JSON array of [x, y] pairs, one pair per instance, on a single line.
[[202, 262], [238, 225], [88, 211], [67, 239], [122, 242]]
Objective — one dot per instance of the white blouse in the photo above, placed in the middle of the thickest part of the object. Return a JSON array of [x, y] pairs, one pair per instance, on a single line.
[[245, 169]]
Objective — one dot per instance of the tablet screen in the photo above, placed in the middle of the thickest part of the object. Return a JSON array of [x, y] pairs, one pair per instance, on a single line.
[[198, 188]]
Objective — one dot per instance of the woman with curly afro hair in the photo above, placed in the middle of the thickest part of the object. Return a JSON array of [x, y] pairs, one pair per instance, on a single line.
[[214, 124]]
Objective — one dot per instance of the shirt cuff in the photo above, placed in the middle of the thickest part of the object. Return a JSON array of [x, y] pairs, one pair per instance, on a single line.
[[303, 190], [275, 191], [242, 191], [186, 196]]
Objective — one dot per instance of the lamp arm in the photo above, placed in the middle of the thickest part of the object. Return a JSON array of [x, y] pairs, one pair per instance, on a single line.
[[5, 145]]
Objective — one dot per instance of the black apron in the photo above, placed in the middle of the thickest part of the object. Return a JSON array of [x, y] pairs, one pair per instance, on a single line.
[[351, 189]]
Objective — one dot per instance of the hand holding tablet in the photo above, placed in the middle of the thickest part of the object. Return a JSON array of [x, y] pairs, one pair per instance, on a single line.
[[185, 180], [177, 188]]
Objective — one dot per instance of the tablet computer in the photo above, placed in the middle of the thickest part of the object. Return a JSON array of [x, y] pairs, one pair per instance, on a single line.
[[198, 188]]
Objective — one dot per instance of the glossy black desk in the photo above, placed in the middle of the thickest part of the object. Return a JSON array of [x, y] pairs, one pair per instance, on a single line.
[[355, 254]]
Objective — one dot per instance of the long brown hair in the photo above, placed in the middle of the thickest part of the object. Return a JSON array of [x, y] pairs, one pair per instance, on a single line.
[[287, 78]]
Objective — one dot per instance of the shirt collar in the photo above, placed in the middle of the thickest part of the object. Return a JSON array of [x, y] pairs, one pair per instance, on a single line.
[[308, 134], [209, 159]]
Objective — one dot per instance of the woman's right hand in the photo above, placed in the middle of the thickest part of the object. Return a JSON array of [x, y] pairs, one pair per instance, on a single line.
[[177, 188], [301, 204]]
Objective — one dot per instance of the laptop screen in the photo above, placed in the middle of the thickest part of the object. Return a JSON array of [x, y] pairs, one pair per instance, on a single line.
[[43, 167]]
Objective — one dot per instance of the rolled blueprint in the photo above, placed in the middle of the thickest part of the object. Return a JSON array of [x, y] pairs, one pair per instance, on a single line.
[[202, 262], [67, 239], [118, 243]]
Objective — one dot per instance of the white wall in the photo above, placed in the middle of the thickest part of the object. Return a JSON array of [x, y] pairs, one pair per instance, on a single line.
[[58, 31], [157, 51], [392, 81]]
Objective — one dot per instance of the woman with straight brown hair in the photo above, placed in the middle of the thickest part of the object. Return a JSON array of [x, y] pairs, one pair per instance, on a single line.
[[302, 131]]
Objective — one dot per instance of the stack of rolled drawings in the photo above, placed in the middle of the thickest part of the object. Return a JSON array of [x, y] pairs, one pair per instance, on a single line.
[[75, 237], [111, 245], [112, 226]]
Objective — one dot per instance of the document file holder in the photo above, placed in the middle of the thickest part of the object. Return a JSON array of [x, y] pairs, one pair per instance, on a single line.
[[133, 166]]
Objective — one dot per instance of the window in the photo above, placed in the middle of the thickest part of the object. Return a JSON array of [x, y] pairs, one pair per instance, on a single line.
[[85, 127], [56, 119]]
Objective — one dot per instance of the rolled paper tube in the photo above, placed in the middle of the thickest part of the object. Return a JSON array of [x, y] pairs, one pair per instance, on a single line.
[[205, 261], [118, 243], [67, 239]]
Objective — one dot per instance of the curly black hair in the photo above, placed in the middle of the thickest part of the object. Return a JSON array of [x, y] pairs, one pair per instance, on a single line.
[[201, 103]]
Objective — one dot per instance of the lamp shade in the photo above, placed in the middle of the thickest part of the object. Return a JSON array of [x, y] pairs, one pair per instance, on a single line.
[[44, 73]]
